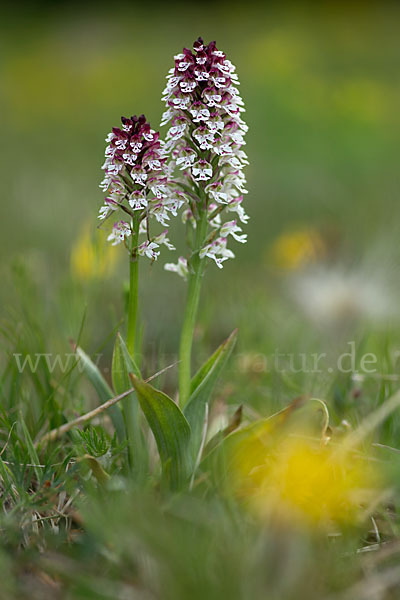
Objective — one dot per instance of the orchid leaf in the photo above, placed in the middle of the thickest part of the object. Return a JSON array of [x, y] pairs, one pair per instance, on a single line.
[[202, 386], [170, 428]]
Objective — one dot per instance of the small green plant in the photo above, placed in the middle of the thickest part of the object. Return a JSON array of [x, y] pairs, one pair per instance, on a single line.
[[95, 441]]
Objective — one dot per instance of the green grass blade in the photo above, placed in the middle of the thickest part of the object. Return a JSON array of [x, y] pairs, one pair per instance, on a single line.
[[103, 390], [122, 365], [33, 455], [6, 477]]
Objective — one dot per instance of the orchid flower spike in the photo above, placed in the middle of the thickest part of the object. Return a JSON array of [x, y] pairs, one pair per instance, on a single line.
[[136, 182], [204, 144]]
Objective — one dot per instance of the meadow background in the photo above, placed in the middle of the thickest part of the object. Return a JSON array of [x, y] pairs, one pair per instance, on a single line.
[[321, 268]]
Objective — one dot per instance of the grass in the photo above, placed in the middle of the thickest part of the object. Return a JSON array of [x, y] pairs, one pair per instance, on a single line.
[[79, 527]]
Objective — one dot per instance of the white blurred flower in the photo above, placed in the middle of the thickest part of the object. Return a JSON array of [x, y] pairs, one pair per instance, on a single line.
[[333, 296]]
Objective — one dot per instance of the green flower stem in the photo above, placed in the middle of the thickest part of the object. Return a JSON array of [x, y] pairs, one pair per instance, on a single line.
[[196, 270], [133, 292]]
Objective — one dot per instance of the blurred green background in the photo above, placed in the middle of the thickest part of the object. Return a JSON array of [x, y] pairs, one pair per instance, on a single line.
[[322, 90]]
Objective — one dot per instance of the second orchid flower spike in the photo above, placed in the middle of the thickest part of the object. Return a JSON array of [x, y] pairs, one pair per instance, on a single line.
[[136, 182]]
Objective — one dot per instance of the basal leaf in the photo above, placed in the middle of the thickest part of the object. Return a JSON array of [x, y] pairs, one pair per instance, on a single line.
[[209, 366], [202, 386], [170, 428]]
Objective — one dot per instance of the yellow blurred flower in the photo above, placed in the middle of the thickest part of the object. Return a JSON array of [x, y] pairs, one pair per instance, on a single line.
[[91, 257], [298, 248], [279, 467], [312, 482]]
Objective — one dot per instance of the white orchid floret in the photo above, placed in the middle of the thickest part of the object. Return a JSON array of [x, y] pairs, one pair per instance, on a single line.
[[201, 74], [211, 97], [181, 268], [120, 231], [136, 145], [149, 135], [186, 158], [236, 179], [242, 125], [218, 192], [215, 222], [202, 170], [222, 146], [137, 200], [199, 112], [231, 108], [178, 129], [215, 123], [129, 158], [158, 187], [110, 152], [162, 240], [230, 160], [173, 82], [227, 66], [218, 251], [219, 81], [187, 86], [110, 205], [167, 116], [204, 137], [235, 205], [180, 100], [173, 205], [159, 211], [121, 143], [139, 175], [148, 249], [104, 212], [230, 228], [105, 184], [112, 166], [154, 164], [237, 138]]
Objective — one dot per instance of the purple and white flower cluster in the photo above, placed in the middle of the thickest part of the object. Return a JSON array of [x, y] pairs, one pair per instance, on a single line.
[[203, 148], [136, 181], [205, 141]]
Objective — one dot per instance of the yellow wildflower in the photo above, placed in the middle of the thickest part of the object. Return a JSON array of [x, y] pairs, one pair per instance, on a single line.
[[298, 248], [316, 483], [91, 258], [279, 466]]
